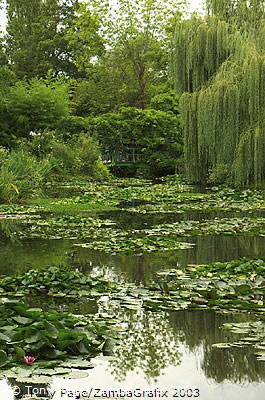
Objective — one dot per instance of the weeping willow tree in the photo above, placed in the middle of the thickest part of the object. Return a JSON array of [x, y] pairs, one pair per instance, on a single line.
[[246, 14], [220, 69], [199, 50]]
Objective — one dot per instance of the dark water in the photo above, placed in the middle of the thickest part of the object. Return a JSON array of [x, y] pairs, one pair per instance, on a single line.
[[160, 350], [19, 257]]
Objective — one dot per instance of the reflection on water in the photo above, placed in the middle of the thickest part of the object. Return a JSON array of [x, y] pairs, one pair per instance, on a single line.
[[19, 257], [7, 229], [74, 306], [22, 256], [199, 330], [129, 220], [150, 344], [141, 269], [169, 350], [222, 248], [157, 347], [155, 341]]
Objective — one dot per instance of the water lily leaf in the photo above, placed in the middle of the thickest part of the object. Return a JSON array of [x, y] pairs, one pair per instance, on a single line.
[[20, 372], [22, 320], [79, 364], [4, 337], [242, 289], [54, 354], [222, 345], [20, 353], [36, 379], [3, 358], [78, 374], [48, 364], [53, 332]]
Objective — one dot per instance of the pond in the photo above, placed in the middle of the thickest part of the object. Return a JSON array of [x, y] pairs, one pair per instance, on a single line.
[[162, 354]]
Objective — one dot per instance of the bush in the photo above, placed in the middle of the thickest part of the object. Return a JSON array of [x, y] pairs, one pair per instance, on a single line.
[[21, 176], [64, 158], [168, 101], [156, 133], [78, 155], [90, 158], [71, 125], [32, 106]]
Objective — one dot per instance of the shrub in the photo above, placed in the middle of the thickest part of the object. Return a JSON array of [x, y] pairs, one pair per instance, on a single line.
[[64, 158], [78, 155], [71, 125], [156, 133], [32, 106], [21, 176], [168, 101], [90, 158]]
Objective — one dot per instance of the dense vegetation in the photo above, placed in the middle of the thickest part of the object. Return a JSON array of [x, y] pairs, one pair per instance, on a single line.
[[222, 81], [79, 82], [115, 74]]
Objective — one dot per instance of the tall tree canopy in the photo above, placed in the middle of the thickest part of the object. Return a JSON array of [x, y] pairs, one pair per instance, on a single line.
[[135, 60], [223, 86], [44, 35]]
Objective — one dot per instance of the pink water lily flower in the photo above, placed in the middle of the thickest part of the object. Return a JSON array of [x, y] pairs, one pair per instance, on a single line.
[[29, 359]]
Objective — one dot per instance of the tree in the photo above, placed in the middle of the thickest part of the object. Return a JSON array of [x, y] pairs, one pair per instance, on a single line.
[[36, 40], [156, 133], [84, 41], [246, 14], [223, 107], [135, 57]]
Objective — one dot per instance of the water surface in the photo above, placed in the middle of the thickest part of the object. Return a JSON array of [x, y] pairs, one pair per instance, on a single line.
[[161, 350]]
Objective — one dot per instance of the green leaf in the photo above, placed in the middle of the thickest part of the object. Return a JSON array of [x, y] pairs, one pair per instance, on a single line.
[[53, 332], [4, 337], [22, 320], [3, 358], [20, 353]]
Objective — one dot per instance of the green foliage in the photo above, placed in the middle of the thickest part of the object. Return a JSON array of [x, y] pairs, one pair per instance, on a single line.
[[135, 245], [220, 174], [63, 158], [36, 37], [236, 285], [46, 335], [246, 14], [71, 125], [7, 79], [97, 95], [83, 38], [21, 176], [135, 61], [77, 155], [30, 106], [167, 101], [223, 107], [199, 49], [157, 133], [56, 281]]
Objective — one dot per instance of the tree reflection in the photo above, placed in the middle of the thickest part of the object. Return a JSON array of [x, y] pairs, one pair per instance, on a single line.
[[35, 253], [238, 365], [222, 248], [198, 330], [8, 228], [149, 344]]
